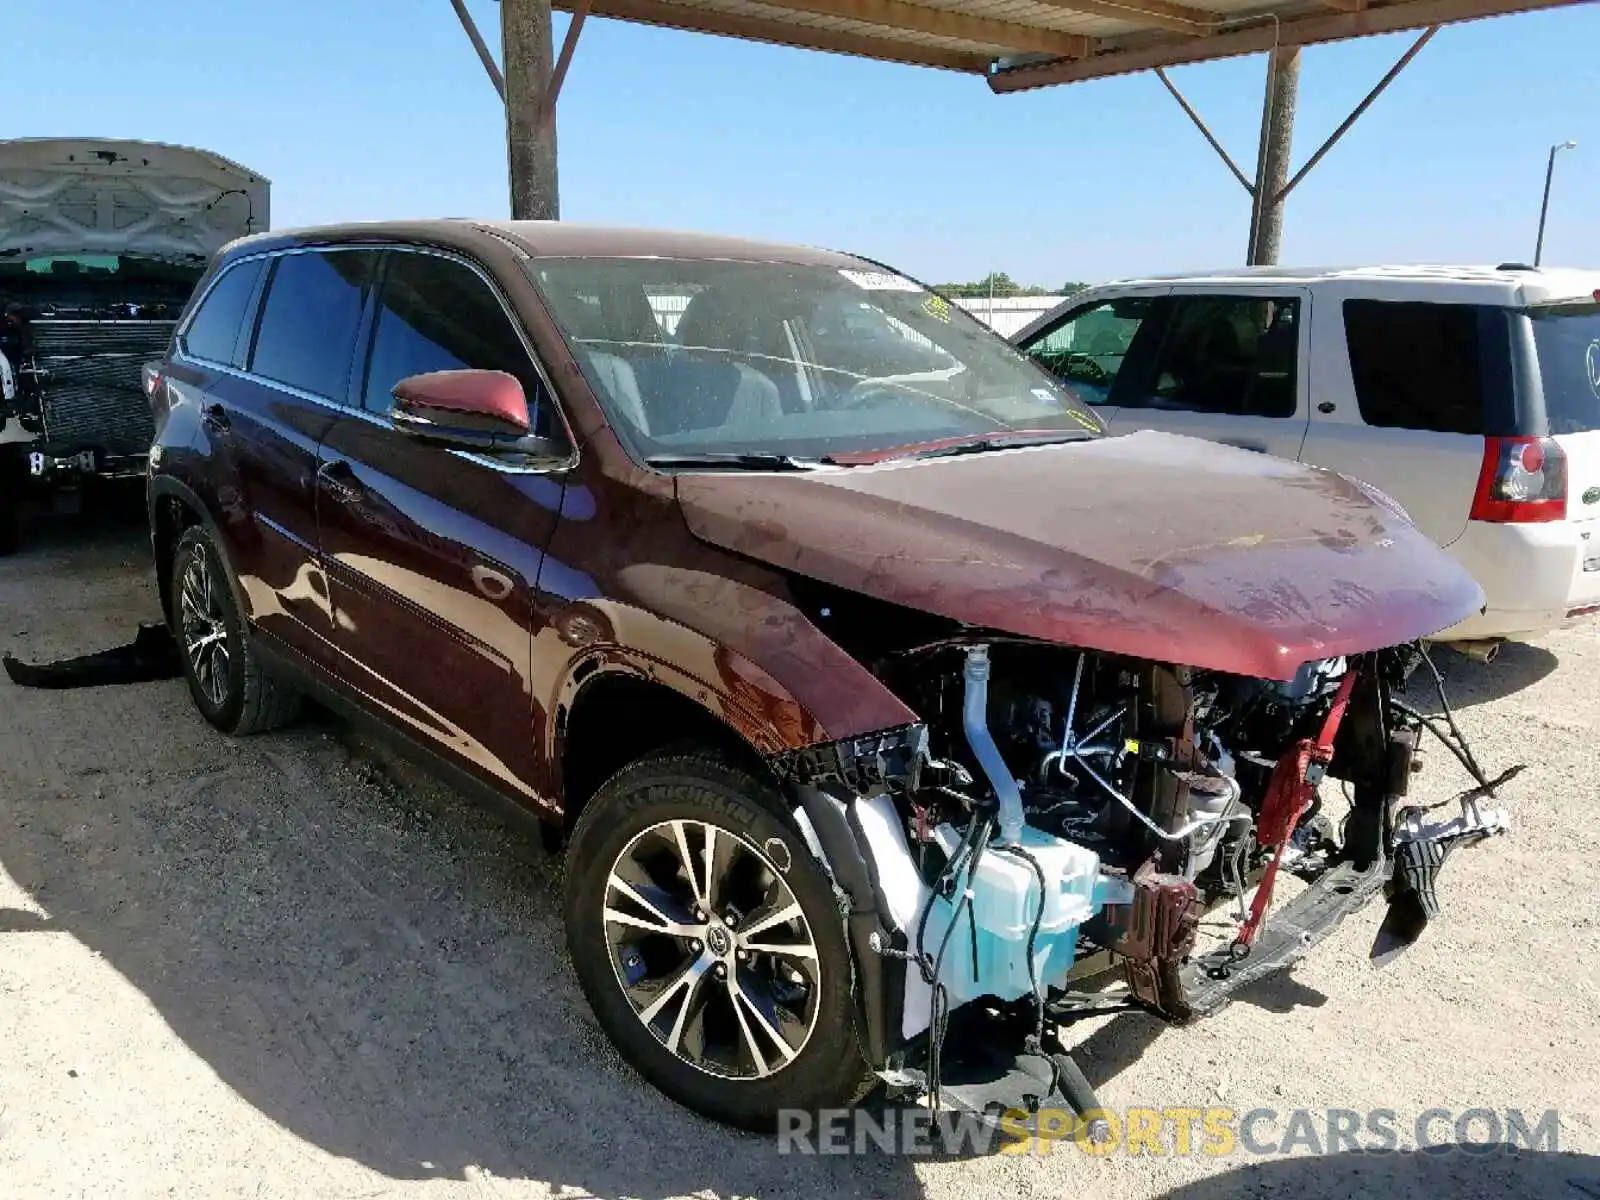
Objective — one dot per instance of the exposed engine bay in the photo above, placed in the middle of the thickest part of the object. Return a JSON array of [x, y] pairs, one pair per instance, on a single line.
[[1062, 814], [77, 330]]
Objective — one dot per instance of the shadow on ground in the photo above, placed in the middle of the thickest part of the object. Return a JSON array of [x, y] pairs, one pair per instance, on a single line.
[[1468, 683], [372, 964], [1496, 1174], [370, 961]]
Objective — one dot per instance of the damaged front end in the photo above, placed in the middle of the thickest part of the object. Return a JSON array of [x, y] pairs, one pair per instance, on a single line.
[[1061, 814]]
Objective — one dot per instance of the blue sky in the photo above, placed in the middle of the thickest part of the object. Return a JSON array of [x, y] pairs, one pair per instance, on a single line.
[[378, 108]]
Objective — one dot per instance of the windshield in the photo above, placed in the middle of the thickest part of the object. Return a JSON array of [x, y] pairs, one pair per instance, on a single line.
[[719, 357], [1568, 340]]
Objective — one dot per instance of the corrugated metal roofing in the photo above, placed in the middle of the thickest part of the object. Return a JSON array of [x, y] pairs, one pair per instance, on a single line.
[[1020, 44]]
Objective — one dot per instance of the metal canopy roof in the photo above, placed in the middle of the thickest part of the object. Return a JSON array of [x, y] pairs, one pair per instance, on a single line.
[[1020, 44]]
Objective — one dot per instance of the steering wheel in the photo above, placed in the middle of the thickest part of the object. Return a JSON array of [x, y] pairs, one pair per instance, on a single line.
[[1085, 368]]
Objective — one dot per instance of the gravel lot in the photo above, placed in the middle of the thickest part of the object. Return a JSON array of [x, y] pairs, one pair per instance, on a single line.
[[294, 967]]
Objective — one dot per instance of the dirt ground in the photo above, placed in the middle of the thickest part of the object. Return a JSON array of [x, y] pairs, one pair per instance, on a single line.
[[292, 967]]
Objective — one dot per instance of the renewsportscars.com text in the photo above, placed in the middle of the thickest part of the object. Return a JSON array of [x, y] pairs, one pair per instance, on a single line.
[[1212, 1132]]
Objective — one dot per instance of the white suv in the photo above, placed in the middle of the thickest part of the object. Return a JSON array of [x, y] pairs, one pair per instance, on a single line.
[[1471, 395]]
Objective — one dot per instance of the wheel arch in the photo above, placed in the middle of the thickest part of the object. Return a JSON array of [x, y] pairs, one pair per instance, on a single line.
[[174, 509], [616, 709]]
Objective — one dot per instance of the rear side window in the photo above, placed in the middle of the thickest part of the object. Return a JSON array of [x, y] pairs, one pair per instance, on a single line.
[[1568, 341], [307, 332], [213, 332], [437, 314], [1417, 365]]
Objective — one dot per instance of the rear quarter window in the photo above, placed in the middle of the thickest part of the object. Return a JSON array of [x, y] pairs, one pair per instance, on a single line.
[[1568, 344], [213, 331], [1430, 367]]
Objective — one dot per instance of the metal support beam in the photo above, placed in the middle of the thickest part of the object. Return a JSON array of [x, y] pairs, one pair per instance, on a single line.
[[1272, 162], [1205, 130], [1355, 114], [525, 49], [547, 111], [481, 47], [1277, 130]]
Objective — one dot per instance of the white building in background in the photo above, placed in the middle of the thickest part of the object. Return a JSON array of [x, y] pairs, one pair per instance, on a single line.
[[1010, 315]]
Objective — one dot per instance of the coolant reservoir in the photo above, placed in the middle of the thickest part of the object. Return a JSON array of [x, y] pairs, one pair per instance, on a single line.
[[986, 954]]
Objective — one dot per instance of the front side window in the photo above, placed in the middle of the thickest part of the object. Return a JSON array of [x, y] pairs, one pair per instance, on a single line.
[[1085, 351], [307, 332], [437, 314], [213, 332], [1234, 355], [1417, 365], [692, 356]]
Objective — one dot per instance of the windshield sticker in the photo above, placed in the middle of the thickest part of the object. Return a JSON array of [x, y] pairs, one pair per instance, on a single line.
[[880, 281], [1088, 422], [937, 307], [1591, 362], [1046, 395]]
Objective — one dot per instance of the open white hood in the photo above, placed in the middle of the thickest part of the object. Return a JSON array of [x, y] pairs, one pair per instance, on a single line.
[[104, 196]]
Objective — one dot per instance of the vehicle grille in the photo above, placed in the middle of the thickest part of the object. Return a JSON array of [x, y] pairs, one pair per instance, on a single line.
[[91, 395]]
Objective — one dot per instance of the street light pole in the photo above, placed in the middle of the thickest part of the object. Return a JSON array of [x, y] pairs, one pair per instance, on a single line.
[[1544, 207]]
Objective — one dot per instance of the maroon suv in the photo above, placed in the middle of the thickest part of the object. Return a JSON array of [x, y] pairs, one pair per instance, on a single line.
[[880, 697]]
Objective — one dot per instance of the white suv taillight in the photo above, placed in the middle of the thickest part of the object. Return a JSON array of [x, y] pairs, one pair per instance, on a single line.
[[1523, 479]]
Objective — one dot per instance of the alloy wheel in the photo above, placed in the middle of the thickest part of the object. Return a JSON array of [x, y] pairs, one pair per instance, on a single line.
[[712, 949], [204, 627]]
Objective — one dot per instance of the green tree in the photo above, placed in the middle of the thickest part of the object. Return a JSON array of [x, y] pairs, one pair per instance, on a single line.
[[1001, 286]]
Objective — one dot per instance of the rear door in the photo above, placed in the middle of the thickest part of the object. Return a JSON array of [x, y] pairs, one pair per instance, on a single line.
[[255, 439], [1228, 368], [268, 424], [1087, 347], [1413, 388], [432, 554]]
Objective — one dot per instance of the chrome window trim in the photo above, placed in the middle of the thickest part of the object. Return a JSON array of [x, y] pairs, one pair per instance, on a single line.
[[373, 418]]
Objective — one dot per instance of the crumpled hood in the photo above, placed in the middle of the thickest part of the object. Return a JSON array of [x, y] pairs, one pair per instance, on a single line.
[[107, 196], [1148, 544]]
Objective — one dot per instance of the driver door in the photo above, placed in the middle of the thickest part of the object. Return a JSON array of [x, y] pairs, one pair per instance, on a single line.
[[1088, 346]]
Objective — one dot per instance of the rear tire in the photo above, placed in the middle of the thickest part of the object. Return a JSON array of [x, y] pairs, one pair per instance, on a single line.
[[737, 1034], [230, 685]]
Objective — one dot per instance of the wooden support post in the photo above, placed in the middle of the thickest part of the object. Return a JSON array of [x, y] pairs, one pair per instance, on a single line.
[[1272, 163], [527, 61]]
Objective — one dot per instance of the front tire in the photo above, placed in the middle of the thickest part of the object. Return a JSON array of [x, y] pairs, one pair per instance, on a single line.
[[709, 943], [228, 682]]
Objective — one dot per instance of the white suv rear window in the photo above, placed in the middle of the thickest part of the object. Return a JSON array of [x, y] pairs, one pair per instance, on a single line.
[[1568, 340]]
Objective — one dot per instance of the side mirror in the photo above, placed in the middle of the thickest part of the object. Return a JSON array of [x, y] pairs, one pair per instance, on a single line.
[[465, 410]]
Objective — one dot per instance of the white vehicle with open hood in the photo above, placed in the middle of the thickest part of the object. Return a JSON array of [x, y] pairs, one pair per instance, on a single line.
[[101, 243]]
